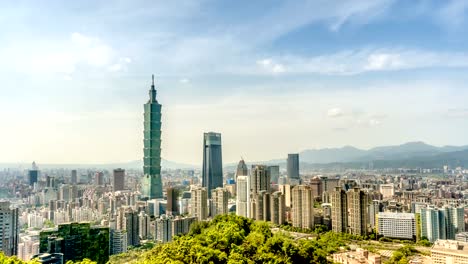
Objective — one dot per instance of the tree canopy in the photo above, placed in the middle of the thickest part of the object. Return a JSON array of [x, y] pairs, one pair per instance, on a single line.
[[236, 239]]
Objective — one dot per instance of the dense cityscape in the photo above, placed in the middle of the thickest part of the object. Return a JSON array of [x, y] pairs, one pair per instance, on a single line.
[[212, 132], [57, 215]]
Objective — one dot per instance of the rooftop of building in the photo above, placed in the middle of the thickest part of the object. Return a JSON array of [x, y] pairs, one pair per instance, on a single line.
[[356, 257], [451, 246], [396, 215]]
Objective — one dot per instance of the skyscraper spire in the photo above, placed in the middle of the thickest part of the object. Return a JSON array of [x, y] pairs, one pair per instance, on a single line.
[[152, 91]]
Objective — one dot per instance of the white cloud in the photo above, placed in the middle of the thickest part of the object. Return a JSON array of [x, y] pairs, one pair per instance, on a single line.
[[77, 52], [350, 62], [335, 112], [270, 66], [368, 122], [358, 12], [356, 118], [184, 80], [81, 39], [120, 66], [383, 61]]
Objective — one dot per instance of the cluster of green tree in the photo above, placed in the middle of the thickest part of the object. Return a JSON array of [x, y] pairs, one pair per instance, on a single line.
[[319, 229], [400, 256], [77, 241], [15, 260], [235, 239], [423, 242], [12, 260]]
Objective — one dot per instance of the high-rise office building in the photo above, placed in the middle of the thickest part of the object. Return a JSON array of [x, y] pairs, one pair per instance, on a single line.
[[293, 166], [118, 180], [441, 223], [33, 174], [50, 182], [259, 178], [277, 208], [152, 184], [455, 220], [99, 178], [302, 207], [433, 225], [8, 229], [339, 210], [199, 202], [242, 169], [212, 173], [243, 196], [274, 172], [74, 177], [358, 202], [219, 202], [172, 204]]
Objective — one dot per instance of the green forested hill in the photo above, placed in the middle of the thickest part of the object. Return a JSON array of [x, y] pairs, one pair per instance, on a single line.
[[234, 239]]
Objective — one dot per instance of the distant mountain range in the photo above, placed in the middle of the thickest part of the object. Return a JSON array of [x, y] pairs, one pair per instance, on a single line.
[[408, 155], [400, 152]]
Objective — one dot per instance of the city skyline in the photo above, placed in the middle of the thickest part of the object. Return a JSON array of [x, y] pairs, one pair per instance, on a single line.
[[327, 74], [203, 131]]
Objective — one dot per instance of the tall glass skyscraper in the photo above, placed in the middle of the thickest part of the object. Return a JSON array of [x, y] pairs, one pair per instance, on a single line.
[[212, 175], [293, 166], [152, 184]]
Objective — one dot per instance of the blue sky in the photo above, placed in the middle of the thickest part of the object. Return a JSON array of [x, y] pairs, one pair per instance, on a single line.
[[273, 77]]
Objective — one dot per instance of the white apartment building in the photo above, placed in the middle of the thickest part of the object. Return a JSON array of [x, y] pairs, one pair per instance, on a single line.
[[396, 225], [243, 196]]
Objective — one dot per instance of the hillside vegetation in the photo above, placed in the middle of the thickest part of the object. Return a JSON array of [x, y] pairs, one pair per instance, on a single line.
[[235, 239]]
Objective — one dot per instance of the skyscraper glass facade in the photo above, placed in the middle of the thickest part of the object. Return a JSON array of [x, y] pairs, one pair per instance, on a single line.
[[293, 166], [152, 184], [212, 175]]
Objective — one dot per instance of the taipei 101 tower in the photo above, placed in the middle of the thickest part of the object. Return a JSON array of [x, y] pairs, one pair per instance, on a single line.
[[152, 184]]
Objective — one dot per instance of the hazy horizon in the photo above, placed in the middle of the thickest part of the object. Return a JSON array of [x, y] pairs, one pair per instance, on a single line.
[[224, 162], [271, 78]]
